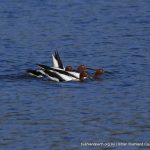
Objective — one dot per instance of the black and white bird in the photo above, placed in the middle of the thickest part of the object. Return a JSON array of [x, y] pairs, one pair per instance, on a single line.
[[58, 72], [65, 75], [36, 73]]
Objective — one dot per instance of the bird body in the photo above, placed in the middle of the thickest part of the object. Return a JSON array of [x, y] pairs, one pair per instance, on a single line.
[[36, 73], [58, 73]]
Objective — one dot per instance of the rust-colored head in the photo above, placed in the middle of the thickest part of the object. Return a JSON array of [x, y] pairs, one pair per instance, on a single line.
[[68, 68], [98, 73], [83, 75], [81, 68]]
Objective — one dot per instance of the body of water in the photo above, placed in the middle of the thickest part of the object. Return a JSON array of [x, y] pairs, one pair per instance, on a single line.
[[42, 115]]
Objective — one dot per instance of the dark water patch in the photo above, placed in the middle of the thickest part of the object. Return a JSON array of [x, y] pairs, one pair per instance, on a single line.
[[140, 56], [14, 77]]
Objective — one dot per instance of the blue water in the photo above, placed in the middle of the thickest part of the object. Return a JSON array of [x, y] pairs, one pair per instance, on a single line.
[[42, 115]]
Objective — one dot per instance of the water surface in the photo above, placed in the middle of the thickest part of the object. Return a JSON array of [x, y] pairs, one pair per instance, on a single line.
[[39, 114]]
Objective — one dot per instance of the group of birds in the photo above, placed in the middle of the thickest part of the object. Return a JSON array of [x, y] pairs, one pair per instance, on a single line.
[[58, 73]]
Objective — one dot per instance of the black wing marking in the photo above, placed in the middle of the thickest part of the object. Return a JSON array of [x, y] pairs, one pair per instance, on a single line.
[[34, 72], [63, 72], [60, 64], [54, 75], [44, 66]]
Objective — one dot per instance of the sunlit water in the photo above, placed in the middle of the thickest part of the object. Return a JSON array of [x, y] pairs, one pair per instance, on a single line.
[[42, 115]]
